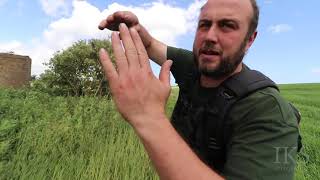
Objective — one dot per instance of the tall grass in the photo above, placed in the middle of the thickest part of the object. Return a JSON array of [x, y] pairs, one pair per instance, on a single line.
[[44, 137]]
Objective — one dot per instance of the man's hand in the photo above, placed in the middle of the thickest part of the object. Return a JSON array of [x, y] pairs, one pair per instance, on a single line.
[[139, 96], [157, 51], [113, 21]]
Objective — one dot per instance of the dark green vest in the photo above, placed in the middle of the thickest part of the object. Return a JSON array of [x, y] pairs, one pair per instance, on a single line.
[[204, 125]]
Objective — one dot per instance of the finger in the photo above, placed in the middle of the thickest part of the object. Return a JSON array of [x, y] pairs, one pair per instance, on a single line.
[[112, 23], [141, 50], [110, 18], [125, 17], [164, 76], [106, 23], [102, 25], [108, 67], [121, 59], [118, 15], [130, 49], [115, 19], [109, 23]]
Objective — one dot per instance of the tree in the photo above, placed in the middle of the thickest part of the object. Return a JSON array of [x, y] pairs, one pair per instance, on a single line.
[[76, 71]]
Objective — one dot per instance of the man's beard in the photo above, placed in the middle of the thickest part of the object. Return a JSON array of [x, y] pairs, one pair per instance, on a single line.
[[226, 66]]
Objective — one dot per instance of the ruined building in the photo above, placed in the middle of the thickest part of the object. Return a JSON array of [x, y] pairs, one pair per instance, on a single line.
[[15, 70]]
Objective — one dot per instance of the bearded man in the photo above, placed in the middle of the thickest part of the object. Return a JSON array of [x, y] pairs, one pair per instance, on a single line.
[[229, 122]]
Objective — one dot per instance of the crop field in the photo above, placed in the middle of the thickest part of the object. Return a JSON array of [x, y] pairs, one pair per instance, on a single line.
[[306, 97], [45, 137]]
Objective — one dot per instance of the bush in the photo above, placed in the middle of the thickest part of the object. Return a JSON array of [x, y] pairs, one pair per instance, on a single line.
[[75, 71]]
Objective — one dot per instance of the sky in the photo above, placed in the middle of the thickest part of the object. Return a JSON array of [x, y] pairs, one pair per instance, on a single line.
[[286, 48]]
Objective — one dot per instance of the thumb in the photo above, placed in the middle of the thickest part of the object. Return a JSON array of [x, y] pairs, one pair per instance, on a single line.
[[165, 72]]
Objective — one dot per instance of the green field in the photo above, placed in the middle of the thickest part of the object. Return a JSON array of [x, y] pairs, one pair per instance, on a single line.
[[307, 98], [44, 137]]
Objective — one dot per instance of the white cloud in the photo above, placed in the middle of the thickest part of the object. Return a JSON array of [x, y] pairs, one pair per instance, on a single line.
[[83, 21], [82, 24], [164, 26], [55, 7], [10, 46], [280, 28]]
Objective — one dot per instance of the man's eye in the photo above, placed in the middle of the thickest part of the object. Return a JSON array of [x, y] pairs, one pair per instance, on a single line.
[[203, 24], [226, 25]]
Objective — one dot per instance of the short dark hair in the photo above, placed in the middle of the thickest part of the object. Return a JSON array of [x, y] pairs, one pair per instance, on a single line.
[[254, 19]]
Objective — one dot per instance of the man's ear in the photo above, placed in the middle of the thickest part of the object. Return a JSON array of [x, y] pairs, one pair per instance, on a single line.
[[251, 40]]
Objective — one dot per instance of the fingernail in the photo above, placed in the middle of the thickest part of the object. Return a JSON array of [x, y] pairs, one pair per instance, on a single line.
[[114, 35], [102, 50], [122, 25]]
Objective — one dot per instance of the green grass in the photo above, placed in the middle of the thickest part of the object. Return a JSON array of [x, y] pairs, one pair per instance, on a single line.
[[44, 137], [307, 98]]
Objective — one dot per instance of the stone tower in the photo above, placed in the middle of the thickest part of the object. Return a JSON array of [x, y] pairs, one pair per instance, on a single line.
[[15, 70]]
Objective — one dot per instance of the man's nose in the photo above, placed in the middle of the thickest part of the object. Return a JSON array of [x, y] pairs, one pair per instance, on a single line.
[[212, 34]]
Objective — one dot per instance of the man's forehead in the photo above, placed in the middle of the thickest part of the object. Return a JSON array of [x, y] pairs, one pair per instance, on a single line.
[[227, 8]]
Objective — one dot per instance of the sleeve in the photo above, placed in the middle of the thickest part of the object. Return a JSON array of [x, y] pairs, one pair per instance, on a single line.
[[263, 144], [183, 63]]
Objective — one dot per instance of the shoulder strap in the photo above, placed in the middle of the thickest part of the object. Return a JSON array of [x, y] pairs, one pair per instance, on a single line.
[[233, 89], [247, 81], [239, 86]]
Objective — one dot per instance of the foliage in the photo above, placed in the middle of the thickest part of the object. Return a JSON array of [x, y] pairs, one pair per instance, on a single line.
[[75, 71]]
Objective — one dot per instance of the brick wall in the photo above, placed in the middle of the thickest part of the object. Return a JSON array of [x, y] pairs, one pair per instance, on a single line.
[[15, 70]]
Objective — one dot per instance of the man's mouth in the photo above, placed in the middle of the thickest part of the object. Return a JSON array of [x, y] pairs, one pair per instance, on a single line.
[[210, 52]]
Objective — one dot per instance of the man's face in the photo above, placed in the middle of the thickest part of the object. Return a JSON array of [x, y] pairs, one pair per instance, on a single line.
[[220, 42]]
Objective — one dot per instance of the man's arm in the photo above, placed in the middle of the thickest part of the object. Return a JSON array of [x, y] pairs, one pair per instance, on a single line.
[[141, 98], [169, 153], [157, 51]]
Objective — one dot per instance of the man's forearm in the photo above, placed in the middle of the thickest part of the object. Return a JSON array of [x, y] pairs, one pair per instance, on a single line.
[[171, 156], [141, 98], [157, 51]]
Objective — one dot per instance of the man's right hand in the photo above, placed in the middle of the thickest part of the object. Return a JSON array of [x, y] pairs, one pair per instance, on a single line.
[[113, 21]]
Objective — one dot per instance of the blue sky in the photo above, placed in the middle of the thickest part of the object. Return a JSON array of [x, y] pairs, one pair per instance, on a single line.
[[286, 48]]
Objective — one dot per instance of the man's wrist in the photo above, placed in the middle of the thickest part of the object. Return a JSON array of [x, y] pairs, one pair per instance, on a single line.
[[150, 124]]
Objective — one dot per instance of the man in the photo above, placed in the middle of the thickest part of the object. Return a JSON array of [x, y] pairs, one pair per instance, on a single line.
[[262, 129]]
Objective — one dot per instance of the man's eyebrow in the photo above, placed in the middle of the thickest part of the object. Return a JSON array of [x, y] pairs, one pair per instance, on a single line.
[[221, 20], [229, 20], [204, 20]]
